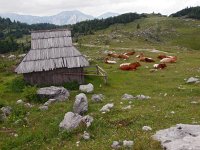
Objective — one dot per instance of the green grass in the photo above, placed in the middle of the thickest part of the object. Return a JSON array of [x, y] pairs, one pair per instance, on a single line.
[[41, 131]]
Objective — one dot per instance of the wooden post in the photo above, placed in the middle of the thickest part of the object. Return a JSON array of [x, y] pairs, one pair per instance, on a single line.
[[97, 67]]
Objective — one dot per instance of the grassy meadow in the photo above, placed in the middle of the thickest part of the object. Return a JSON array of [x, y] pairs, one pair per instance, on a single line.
[[167, 88]]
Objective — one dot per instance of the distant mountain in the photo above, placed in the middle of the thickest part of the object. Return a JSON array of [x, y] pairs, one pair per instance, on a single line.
[[63, 18], [191, 12], [107, 15]]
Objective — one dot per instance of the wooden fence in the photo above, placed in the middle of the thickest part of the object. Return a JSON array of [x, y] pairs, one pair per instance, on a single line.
[[98, 72]]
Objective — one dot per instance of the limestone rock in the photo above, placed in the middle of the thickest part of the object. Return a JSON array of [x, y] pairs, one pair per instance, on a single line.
[[86, 88], [59, 93], [86, 136], [50, 101], [116, 145], [128, 144], [6, 110], [72, 121], [80, 104], [20, 101], [192, 80], [127, 97], [97, 97], [142, 97], [43, 108], [146, 128], [180, 137], [107, 107]]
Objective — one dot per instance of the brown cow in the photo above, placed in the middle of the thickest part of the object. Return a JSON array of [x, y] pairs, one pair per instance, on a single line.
[[130, 66]]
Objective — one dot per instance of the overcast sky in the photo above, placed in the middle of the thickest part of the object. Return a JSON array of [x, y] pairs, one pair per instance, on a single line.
[[94, 7]]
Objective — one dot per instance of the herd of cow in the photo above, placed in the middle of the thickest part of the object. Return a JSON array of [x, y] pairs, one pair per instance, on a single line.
[[141, 58]]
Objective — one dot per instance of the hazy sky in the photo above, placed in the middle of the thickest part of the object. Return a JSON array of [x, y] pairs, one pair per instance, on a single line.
[[94, 7]]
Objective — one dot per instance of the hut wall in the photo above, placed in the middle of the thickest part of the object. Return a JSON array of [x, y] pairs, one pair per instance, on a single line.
[[55, 77]]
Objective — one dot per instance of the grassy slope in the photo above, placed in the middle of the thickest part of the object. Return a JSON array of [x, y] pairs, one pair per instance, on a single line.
[[41, 131]]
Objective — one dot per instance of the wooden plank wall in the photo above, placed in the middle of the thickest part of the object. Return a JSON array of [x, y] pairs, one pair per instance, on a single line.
[[55, 77]]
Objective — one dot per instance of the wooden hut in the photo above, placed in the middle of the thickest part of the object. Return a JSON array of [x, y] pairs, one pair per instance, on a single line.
[[53, 59]]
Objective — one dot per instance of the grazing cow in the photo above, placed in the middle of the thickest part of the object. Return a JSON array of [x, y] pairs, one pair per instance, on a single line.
[[123, 56], [170, 59], [159, 66], [129, 53], [161, 56], [107, 61], [145, 59], [113, 55], [130, 66]]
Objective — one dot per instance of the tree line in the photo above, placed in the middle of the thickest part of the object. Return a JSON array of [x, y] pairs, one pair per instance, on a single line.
[[189, 12], [11, 31]]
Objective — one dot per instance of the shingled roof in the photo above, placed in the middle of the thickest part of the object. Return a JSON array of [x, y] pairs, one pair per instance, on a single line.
[[50, 50]]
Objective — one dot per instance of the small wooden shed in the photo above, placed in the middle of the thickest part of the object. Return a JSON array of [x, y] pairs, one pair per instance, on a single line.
[[53, 59]]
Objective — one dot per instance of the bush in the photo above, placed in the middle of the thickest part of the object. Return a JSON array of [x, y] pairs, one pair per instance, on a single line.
[[72, 85], [30, 93], [17, 85]]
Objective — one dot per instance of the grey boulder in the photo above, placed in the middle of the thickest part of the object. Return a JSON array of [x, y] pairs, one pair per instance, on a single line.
[[6, 110], [80, 104], [89, 88], [72, 120], [193, 80], [53, 92], [97, 97], [127, 97], [180, 137]]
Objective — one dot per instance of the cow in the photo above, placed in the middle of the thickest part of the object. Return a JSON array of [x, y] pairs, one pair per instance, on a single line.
[[145, 59], [159, 66], [170, 59], [130, 66]]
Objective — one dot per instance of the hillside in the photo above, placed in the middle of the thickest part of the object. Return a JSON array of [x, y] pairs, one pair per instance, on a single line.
[[154, 31], [172, 101], [191, 12]]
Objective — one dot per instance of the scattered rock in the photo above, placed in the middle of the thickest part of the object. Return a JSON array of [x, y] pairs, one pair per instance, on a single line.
[[87, 120], [193, 80], [146, 128], [128, 144], [107, 107], [116, 145], [20, 101], [86, 88], [28, 105], [86, 136], [72, 121], [80, 104], [153, 70], [142, 97], [127, 107], [180, 137], [127, 97], [21, 55], [172, 112], [77, 143], [43, 108], [6, 110], [11, 57], [2, 117], [97, 97], [50, 101], [194, 102], [58, 93]]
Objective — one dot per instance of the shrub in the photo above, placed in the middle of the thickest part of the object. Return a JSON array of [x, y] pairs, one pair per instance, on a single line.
[[30, 93], [17, 85], [71, 86]]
